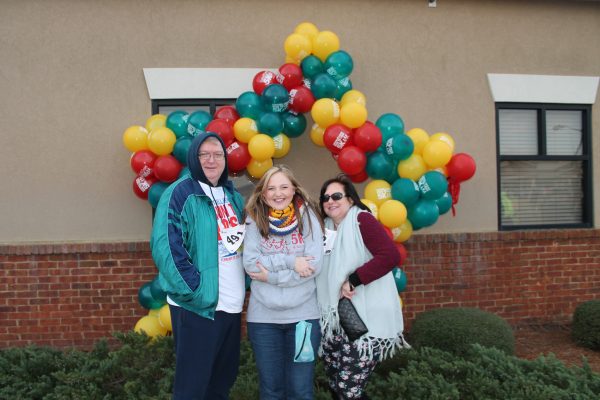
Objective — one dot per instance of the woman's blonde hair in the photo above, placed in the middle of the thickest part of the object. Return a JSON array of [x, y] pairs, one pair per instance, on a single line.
[[258, 209]]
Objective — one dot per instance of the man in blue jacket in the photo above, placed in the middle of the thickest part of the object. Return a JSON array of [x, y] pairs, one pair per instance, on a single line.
[[195, 243]]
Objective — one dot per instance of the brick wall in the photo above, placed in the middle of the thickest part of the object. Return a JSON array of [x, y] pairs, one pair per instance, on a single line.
[[72, 294]]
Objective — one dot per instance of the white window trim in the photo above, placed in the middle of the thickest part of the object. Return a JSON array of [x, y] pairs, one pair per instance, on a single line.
[[199, 83], [543, 88]]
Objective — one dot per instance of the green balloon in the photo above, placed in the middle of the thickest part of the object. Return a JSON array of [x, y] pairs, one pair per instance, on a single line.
[[392, 176], [400, 279], [275, 98], [249, 105], [177, 121], [311, 66], [433, 185], [197, 122], [157, 291], [444, 203], [270, 123], [145, 297], [323, 86], [184, 172], [339, 64], [399, 147], [424, 213], [379, 165], [294, 124], [390, 124], [342, 86], [406, 191], [155, 191], [181, 147]]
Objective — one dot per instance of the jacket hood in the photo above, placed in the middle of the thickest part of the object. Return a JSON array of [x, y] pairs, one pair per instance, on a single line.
[[195, 167]]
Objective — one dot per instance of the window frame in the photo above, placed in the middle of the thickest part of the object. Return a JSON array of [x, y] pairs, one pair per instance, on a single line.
[[211, 103], [585, 158]]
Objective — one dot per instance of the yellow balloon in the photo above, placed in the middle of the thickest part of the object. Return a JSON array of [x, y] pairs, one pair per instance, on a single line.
[[419, 138], [372, 206], [154, 312], [282, 145], [378, 191], [353, 115], [392, 213], [156, 121], [297, 46], [316, 135], [412, 168], [150, 325], [437, 153], [161, 140], [164, 317], [135, 138], [261, 147], [403, 232], [307, 29], [324, 44], [353, 96], [325, 112], [245, 129], [444, 137], [257, 169], [291, 60]]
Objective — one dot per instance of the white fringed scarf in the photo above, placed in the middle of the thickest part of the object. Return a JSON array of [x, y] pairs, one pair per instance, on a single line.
[[377, 303]]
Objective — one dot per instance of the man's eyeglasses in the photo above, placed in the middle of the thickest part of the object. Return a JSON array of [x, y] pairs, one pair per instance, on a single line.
[[335, 196], [216, 156]]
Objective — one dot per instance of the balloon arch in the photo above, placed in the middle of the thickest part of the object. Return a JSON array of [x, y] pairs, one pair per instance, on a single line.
[[415, 177]]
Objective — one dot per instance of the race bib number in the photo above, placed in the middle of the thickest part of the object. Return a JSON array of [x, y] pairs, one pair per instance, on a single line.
[[328, 240], [233, 237]]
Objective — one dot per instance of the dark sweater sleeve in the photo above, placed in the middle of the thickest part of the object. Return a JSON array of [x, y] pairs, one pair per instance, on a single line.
[[385, 254]]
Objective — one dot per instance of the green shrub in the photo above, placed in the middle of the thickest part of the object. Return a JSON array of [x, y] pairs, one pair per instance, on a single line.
[[586, 325], [141, 368], [456, 329]]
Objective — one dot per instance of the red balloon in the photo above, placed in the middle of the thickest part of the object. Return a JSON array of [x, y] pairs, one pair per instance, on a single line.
[[388, 231], [367, 137], [290, 76], [262, 80], [360, 177], [336, 137], [228, 113], [403, 253], [223, 129], [301, 99], [352, 160], [142, 162], [461, 167], [167, 168], [141, 186], [238, 157]]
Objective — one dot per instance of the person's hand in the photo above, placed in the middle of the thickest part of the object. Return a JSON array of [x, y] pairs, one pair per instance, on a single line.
[[347, 290], [303, 266], [262, 276]]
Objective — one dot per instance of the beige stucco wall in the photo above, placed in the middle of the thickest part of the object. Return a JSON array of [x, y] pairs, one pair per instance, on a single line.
[[71, 81]]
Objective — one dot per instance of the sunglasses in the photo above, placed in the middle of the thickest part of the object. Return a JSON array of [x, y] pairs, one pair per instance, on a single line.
[[335, 197]]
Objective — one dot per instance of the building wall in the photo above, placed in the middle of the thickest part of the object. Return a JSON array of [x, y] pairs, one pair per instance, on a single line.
[[71, 81], [72, 295]]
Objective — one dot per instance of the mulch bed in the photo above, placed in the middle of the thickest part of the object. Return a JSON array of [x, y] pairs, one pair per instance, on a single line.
[[533, 341]]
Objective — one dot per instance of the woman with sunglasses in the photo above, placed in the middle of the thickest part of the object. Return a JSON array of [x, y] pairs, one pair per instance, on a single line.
[[359, 258], [283, 252]]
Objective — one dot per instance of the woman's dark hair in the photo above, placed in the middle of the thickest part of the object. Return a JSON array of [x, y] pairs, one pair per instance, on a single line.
[[349, 188]]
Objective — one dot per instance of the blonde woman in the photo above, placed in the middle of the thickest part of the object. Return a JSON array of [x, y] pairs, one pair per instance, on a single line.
[[283, 250]]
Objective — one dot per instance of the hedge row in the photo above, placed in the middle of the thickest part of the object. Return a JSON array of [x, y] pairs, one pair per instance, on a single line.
[[140, 368]]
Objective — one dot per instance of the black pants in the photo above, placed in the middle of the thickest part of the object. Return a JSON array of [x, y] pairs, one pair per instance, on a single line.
[[207, 354]]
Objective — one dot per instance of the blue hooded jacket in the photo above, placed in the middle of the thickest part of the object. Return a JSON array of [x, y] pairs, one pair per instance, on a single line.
[[184, 239]]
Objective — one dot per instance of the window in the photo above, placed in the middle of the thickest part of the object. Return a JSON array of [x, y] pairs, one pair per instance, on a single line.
[[544, 165]]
